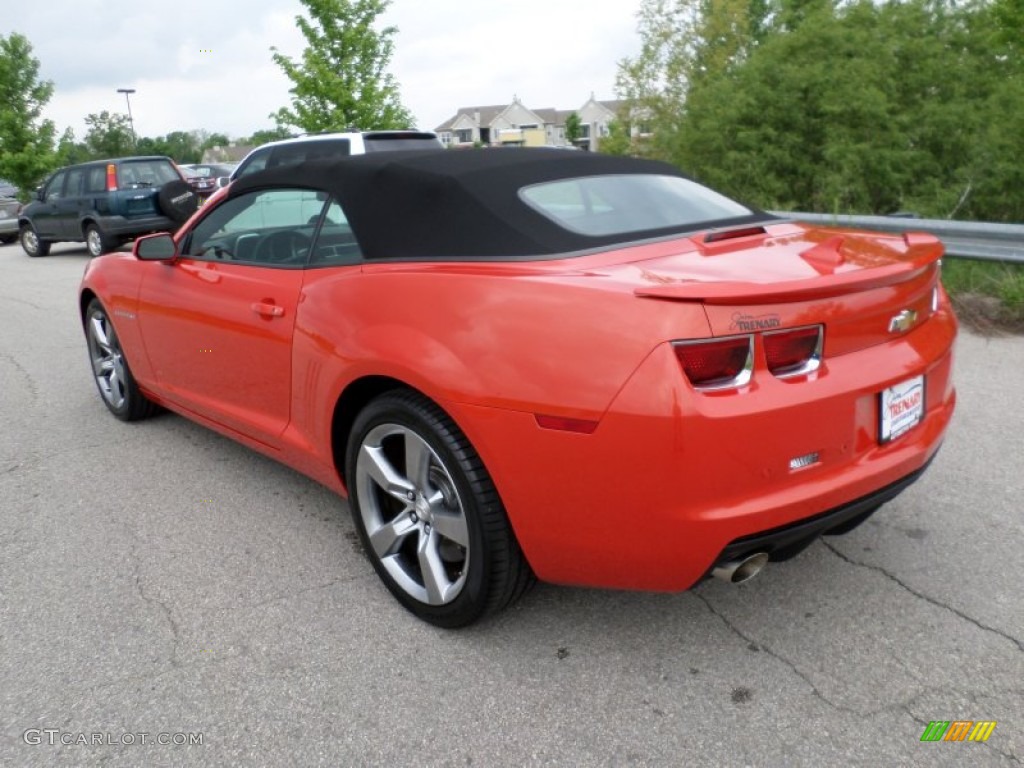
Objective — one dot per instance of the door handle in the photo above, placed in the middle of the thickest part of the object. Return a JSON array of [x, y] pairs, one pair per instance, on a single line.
[[267, 310]]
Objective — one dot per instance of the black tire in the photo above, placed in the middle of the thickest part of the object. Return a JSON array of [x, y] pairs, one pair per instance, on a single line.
[[8, 239], [113, 377], [98, 243], [31, 243], [177, 201], [486, 575]]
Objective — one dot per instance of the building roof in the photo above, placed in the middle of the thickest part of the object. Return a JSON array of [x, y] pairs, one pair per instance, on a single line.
[[550, 115], [487, 115], [553, 116]]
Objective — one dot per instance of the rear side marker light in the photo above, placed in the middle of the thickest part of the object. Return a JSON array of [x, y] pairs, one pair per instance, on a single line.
[[793, 352], [584, 426], [717, 363]]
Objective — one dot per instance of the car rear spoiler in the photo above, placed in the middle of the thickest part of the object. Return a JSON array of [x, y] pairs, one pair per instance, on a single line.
[[922, 252]]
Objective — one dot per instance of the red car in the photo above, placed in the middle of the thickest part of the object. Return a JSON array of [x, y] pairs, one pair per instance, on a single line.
[[517, 364]]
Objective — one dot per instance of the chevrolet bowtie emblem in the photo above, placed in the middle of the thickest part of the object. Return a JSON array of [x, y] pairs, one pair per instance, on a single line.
[[904, 321]]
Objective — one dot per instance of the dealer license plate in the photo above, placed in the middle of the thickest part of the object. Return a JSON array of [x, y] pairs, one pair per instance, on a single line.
[[901, 408]]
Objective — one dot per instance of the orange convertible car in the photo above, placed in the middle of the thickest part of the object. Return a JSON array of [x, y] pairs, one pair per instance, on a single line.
[[518, 364]]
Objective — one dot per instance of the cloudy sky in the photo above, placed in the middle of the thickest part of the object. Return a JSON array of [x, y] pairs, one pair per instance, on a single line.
[[551, 53]]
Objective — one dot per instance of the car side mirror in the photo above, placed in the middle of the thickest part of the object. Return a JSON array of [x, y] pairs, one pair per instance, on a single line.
[[158, 247]]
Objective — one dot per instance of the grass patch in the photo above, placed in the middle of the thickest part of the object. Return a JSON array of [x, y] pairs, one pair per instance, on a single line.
[[988, 295]]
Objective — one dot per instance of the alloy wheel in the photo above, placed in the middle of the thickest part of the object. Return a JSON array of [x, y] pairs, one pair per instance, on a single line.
[[414, 519], [93, 241], [107, 360]]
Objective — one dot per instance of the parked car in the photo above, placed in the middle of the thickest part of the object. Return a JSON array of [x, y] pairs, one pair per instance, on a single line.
[[583, 368], [9, 207], [202, 177], [332, 145], [105, 203]]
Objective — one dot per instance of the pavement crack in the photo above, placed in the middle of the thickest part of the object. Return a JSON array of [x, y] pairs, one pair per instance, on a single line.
[[927, 598], [287, 595], [16, 300], [165, 609], [768, 650], [29, 381]]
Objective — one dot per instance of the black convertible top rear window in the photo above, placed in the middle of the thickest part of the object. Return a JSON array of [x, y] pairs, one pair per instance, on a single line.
[[608, 205], [505, 203]]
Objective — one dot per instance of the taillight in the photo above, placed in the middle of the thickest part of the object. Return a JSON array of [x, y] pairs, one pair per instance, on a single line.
[[793, 352], [111, 178], [717, 363]]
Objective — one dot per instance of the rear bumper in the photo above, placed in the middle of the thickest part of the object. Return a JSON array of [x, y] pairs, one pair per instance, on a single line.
[[790, 540], [121, 226], [671, 479]]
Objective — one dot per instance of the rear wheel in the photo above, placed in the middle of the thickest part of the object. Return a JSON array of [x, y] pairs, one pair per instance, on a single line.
[[428, 513], [97, 242], [31, 242], [5, 239], [114, 379]]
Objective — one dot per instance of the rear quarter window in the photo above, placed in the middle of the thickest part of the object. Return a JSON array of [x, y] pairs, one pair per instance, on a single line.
[[96, 181], [619, 204]]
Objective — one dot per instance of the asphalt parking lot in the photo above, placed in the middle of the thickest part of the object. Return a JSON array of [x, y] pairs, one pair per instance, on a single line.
[[158, 579]]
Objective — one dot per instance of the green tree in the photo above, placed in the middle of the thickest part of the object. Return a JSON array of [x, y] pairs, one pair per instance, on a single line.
[[70, 151], [573, 127], [210, 140], [838, 105], [180, 146], [265, 136], [109, 135], [618, 140], [342, 80], [26, 141]]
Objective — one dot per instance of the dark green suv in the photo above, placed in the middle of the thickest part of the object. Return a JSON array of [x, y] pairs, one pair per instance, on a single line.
[[105, 203]]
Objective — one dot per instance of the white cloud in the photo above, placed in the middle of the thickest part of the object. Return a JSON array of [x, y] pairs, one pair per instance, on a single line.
[[550, 55]]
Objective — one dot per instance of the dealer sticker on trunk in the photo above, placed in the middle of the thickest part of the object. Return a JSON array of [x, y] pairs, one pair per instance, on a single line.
[[902, 406]]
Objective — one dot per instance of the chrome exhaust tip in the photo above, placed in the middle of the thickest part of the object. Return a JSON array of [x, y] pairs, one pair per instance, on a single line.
[[738, 571]]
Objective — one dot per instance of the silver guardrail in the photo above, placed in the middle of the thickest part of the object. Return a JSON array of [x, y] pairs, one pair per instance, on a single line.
[[963, 239]]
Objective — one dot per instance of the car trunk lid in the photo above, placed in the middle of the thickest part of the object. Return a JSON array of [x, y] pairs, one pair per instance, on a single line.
[[863, 287]]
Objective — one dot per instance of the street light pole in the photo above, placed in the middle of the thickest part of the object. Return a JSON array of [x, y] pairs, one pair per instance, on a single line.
[[128, 101]]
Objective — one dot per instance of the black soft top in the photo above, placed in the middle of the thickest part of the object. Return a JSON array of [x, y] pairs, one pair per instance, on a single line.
[[458, 203]]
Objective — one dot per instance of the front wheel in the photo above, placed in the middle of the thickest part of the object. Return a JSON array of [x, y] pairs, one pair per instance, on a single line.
[[114, 379], [428, 513], [31, 243]]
